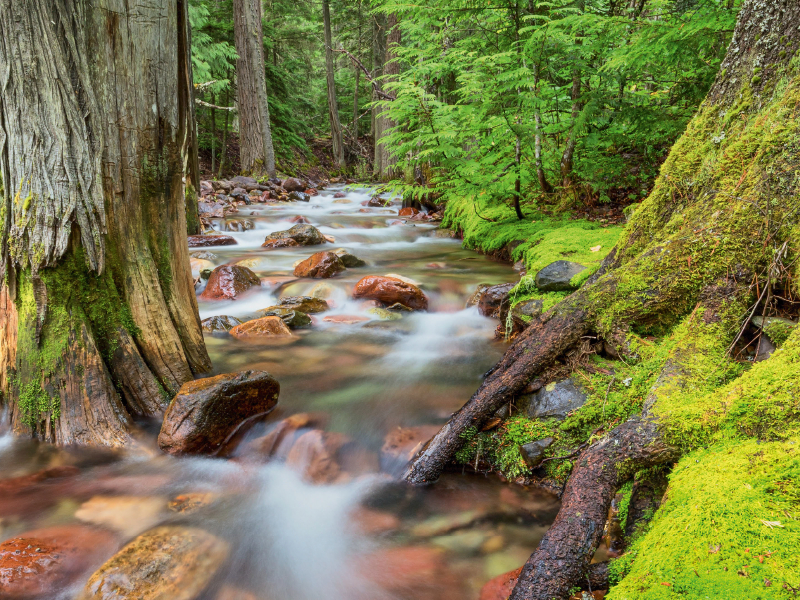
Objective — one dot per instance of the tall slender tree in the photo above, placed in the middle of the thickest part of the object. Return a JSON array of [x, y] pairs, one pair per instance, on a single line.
[[98, 317], [255, 136], [385, 161], [333, 105]]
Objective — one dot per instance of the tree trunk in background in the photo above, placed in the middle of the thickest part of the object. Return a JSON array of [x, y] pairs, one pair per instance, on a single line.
[[255, 136], [384, 161], [99, 317], [333, 106], [378, 56]]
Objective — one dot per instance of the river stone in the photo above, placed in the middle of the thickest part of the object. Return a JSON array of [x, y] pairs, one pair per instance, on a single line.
[[307, 304], [261, 328], [43, 562], [301, 234], [299, 197], [205, 413], [202, 241], [555, 400], [476, 295], [320, 265], [533, 452], [292, 184], [219, 323], [556, 276], [292, 318], [211, 210], [228, 282], [203, 255], [495, 300], [384, 314], [238, 225], [170, 562], [349, 260], [389, 290]]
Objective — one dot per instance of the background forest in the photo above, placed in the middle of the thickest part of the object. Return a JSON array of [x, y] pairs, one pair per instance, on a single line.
[[563, 101]]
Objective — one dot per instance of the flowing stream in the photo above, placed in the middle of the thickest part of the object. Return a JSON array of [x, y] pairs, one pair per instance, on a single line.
[[362, 536]]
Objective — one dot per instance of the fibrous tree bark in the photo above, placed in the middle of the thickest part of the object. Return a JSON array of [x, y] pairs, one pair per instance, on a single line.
[[384, 160], [100, 319], [722, 212], [255, 135], [333, 103]]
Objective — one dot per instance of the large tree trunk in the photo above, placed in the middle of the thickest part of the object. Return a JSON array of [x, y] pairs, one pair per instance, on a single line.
[[96, 155], [255, 136], [333, 103], [726, 179], [384, 161], [378, 57]]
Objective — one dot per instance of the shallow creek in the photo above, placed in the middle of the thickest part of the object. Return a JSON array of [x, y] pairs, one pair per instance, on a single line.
[[362, 537]]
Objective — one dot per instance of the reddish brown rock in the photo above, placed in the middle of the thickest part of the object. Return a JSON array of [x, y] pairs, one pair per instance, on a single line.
[[35, 492], [299, 219], [292, 184], [494, 300], [320, 265], [281, 436], [41, 563], [390, 290], [205, 413], [314, 454], [259, 328], [312, 192], [500, 587], [202, 241], [374, 522], [408, 211], [228, 282], [339, 195], [394, 223], [402, 444], [375, 202], [413, 573], [280, 243]]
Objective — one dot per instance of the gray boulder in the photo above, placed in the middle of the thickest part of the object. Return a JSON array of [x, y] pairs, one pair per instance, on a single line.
[[556, 276], [219, 323], [533, 452], [555, 400], [528, 308], [293, 319], [299, 197]]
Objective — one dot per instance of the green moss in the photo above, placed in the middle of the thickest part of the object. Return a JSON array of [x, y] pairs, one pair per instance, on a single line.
[[778, 331], [624, 504], [544, 238], [728, 528], [192, 217], [76, 296], [500, 447]]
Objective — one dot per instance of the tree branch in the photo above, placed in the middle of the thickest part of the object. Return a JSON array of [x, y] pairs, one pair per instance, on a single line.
[[378, 92]]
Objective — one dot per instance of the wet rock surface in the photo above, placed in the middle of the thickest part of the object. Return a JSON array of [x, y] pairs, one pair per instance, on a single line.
[[390, 290], [534, 452], [41, 563], [494, 300], [264, 327], [207, 412], [556, 276], [302, 234], [306, 304], [320, 265], [172, 562], [293, 319], [219, 323], [228, 282], [202, 241], [402, 444], [351, 261]]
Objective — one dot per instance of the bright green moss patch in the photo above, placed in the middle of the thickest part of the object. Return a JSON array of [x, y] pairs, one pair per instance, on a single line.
[[545, 239], [729, 528], [500, 447]]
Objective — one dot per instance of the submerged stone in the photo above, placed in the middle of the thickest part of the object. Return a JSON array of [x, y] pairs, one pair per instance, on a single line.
[[219, 323], [292, 318]]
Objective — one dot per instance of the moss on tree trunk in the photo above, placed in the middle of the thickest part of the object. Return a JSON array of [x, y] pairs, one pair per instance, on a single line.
[[102, 156]]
